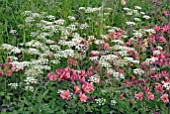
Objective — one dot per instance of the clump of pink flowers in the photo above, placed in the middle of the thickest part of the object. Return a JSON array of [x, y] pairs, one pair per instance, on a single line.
[[164, 98], [7, 69], [65, 94], [76, 78], [139, 96]]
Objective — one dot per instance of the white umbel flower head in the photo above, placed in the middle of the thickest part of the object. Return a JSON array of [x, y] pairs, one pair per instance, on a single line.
[[130, 23], [138, 7], [146, 17]]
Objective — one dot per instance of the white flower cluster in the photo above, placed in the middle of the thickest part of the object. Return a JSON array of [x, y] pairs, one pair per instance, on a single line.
[[156, 52], [95, 58], [51, 17], [60, 91], [123, 48], [55, 62], [159, 48], [13, 31], [92, 10], [151, 60], [20, 65], [130, 23], [33, 51], [146, 17], [130, 59], [40, 61], [67, 43], [100, 101], [113, 102], [98, 42], [150, 31], [84, 26], [64, 53], [122, 53], [41, 67], [138, 7], [138, 34], [129, 13], [13, 85], [166, 85], [138, 71], [42, 35], [95, 78], [82, 8], [104, 64], [29, 19], [13, 58], [109, 57], [59, 22], [71, 18], [37, 44], [33, 72], [137, 19], [77, 40], [118, 41], [81, 47], [120, 63], [127, 9], [29, 88], [31, 80], [117, 75], [72, 27], [11, 48], [55, 47], [27, 13]]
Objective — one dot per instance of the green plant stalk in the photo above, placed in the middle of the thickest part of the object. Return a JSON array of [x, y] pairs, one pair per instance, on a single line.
[[102, 16], [5, 85]]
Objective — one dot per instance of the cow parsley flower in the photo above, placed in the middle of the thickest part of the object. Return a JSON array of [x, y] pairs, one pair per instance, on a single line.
[[13, 31], [31, 80], [59, 22], [94, 78], [29, 88], [143, 13], [13, 85], [82, 8], [100, 101], [113, 102], [138, 71], [130, 23], [138, 7], [126, 9], [83, 26], [137, 19], [51, 17], [71, 18], [129, 13], [146, 17], [104, 64], [94, 58]]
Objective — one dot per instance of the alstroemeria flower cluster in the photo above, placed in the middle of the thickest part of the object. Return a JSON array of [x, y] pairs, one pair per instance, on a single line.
[[7, 69], [77, 78]]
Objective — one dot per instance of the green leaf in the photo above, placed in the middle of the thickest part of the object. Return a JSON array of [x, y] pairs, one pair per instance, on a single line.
[[7, 97], [2, 93]]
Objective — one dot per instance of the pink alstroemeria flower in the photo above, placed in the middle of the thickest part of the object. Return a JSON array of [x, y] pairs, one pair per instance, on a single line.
[[83, 97], [9, 73], [87, 87], [164, 98], [65, 94], [150, 96], [139, 96], [77, 89]]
